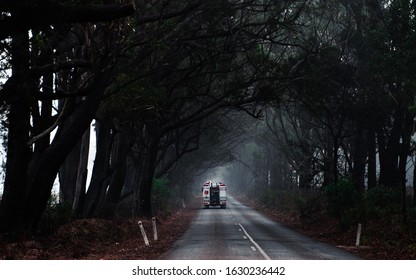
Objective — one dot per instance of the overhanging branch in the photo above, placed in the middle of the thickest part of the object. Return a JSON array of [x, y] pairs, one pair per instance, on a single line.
[[36, 16]]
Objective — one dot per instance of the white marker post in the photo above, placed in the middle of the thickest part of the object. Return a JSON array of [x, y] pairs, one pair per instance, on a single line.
[[357, 240], [146, 241], [154, 228]]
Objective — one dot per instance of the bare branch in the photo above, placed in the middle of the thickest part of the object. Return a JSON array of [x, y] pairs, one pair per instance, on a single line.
[[40, 15]]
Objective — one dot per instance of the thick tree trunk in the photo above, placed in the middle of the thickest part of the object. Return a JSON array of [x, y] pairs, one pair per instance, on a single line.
[[44, 120], [81, 179], [328, 165], [18, 153], [69, 169], [389, 154], [407, 131], [67, 136], [146, 179], [360, 156], [129, 195], [119, 164], [67, 173], [100, 170]]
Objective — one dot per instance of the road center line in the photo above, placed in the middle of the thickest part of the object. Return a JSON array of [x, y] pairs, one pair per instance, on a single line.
[[255, 243]]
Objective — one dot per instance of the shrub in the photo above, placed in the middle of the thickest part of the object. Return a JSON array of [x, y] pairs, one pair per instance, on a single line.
[[343, 202], [382, 201], [161, 195], [268, 197], [309, 203], [303, 203]]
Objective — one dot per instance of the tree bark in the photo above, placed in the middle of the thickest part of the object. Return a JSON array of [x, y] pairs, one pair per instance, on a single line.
[[67, 136], [100, 169], [372, 163], [18, 153], [389, 153], [146, 179], [404, 153], [67, 172], [82, 173], [119, 166], [414, 184], [358, 171]]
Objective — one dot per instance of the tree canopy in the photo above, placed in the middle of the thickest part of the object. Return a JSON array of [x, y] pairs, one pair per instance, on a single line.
[[287, 94]]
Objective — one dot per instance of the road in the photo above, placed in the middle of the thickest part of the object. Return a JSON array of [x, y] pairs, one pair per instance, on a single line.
[[241, 233]]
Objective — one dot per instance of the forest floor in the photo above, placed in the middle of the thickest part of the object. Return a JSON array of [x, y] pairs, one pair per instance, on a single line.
[[121, 240], [379, 240]]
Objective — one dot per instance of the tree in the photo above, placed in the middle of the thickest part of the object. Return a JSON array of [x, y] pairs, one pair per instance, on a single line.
[[202, 58], [25, 197]]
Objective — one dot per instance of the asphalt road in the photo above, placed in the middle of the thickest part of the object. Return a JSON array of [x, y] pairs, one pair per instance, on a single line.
[[241, 233]]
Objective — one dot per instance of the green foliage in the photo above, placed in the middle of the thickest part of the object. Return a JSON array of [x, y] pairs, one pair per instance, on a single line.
[[270, 197], [304, 204], [343, 202], [309, 203], [40, 41], [161, 195], [381, 202]]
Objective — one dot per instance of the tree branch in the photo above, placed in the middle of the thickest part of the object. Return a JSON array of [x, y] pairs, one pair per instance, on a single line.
[[32, 16]]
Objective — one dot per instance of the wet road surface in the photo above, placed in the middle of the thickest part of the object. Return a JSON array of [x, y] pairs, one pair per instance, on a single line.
[[241, 233]]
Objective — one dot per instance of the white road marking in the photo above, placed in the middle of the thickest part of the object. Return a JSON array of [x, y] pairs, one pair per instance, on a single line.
[[255, 243], [253, 248], [245, 237]]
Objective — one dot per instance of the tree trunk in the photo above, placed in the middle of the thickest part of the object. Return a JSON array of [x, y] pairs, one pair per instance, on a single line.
[[328, 165], [372, 162], [358, 171], [81, 179], [275, 172], [67, 173], [67, 136], [100, 170], [146, 179], [306, 173], [402, 175], [404, 153], [335, 160], [18, 153], [414, 184], [119, 164], [43, 122], [389, 154], [129, 195]]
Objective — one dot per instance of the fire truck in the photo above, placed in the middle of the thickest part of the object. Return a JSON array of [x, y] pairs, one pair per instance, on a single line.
[[214, 194]]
